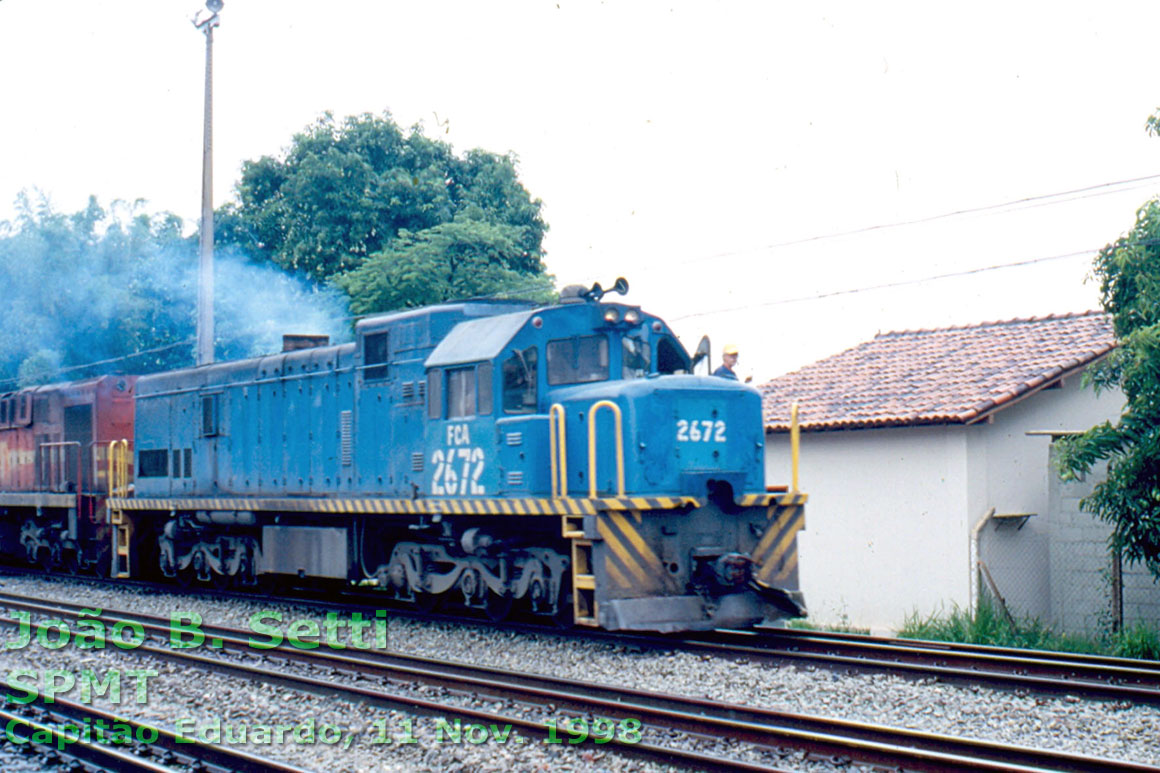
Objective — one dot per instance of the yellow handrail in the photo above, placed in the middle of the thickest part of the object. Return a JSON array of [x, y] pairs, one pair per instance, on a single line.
[[794, 435], [118, 472], [592, 446], [559, 459]]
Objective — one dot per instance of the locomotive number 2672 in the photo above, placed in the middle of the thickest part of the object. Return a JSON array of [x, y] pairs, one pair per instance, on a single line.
[[457, 472], [700, 431]]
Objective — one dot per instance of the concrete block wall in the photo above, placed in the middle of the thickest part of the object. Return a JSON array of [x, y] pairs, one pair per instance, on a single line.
[[1081, 567]]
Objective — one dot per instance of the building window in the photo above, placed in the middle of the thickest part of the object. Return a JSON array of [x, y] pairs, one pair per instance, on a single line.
[[519, 381], [578, 360], [375, 357]]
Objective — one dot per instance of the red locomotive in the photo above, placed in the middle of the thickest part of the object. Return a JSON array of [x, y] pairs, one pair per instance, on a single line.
[[54, 469]]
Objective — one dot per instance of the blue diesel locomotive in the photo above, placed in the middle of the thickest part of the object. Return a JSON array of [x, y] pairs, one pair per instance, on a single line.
[[558, 460]]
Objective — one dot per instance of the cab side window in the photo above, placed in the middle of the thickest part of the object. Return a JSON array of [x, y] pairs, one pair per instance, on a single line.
[[519, 381], [460, 393], [670, 357], [375, 357], [435, 393], [634, 358]]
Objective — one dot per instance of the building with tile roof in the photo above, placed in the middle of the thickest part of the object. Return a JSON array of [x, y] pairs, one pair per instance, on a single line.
[[927, 451], [955, 375]]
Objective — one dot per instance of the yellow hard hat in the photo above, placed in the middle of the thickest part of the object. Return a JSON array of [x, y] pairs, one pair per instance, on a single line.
[[730, 349]]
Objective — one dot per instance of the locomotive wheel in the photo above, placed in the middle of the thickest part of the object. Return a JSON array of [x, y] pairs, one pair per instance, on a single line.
[[498, 607], [44, 559], [72, 562]]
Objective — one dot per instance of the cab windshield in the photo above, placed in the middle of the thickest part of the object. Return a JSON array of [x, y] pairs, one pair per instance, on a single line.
[[578, 360]]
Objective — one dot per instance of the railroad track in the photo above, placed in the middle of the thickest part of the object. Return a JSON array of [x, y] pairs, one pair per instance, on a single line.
[[548, 708], [1089, 676], [75, 737], [1040, 672]]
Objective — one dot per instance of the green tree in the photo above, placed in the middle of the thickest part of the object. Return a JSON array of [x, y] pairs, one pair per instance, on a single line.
[[346, 191], [461, 259], [1129, 498]]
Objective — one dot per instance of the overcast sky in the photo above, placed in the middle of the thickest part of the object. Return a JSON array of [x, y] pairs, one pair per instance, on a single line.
[[696, 148]]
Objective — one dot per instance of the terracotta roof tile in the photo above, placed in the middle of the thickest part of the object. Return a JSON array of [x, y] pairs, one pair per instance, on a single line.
[[943, 376]]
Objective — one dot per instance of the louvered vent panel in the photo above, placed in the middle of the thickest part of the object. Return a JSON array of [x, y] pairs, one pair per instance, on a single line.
[[515, 478], [515, 438], [346, 429], [408, 390], [417, 461]]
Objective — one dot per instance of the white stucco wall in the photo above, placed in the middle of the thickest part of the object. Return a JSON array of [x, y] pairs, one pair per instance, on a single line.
[[888, 524], [884, 524]]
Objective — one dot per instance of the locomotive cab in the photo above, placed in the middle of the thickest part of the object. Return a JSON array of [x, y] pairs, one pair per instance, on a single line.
[[595, 402], [498, 385]]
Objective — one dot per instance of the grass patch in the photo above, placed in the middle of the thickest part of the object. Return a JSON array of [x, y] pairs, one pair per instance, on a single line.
[[989, 626], [1139, 641]]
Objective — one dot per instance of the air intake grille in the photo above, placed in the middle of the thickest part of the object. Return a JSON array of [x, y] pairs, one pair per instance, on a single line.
[[417, 461], [346, 430], [515, 478]]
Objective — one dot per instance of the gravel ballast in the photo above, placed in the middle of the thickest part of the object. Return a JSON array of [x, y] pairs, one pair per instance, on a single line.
[[1106, 729]]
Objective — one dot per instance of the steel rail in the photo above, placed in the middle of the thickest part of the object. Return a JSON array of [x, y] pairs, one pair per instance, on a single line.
[[1039, 671], [768, 729], [1101, 677], [70, 728], [1147, 666]]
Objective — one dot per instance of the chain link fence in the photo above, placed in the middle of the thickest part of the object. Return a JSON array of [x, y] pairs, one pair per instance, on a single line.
[[1056, 567]]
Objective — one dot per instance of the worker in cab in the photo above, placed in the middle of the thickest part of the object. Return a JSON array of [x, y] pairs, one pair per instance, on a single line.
[[728, 361]]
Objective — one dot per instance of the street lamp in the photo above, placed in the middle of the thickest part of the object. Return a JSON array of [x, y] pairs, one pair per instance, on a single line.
[[205, 262]]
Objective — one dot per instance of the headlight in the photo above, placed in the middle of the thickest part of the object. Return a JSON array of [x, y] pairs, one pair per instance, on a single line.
[[632, 316], [612, 315]]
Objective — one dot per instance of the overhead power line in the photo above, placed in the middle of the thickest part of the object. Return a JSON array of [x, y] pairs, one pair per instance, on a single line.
[[1027, 202], [111, 360], [889, 285]]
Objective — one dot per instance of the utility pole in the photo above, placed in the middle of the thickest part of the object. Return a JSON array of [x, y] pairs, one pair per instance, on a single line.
[[205, 333]]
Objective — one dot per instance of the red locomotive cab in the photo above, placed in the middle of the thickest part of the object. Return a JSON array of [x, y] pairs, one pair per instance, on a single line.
[[54, 468], [17, 443], [73, 426], [113, 423]]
